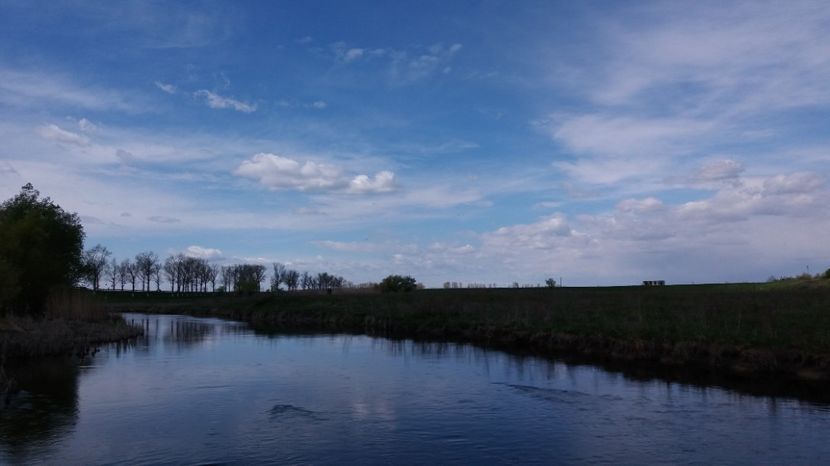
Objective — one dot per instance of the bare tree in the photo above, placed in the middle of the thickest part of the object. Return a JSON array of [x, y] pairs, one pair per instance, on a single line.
[[213, 273], [95, 260], [145, 263], [278, 277], [227, 277], [156, 272], [171, 271], [291, 278], [130, 270], [112, 273], [124, 273]]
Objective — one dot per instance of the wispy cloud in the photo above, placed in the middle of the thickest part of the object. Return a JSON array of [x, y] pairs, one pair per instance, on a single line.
[[58, 134], [403, 66], [168, 88], [32, 89], [214, 100]]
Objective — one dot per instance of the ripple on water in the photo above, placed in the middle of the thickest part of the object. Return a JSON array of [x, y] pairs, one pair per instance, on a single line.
[[283, 411]]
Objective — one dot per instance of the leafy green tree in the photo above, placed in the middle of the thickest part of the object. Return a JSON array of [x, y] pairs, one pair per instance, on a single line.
[[41, 248], [827, 274], [395, 283]]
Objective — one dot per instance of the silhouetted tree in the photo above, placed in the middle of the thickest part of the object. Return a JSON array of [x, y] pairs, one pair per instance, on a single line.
[[112, 273], [394, 283], [94, 263], [278, 277], [41, 248], [291, 279]]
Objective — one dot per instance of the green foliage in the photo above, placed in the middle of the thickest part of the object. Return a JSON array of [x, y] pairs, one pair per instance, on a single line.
[[394, 283], [40, 249], [826, 274]]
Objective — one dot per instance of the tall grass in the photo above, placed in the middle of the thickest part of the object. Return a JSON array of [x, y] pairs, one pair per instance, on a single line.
[[74, 304], [760, 327]]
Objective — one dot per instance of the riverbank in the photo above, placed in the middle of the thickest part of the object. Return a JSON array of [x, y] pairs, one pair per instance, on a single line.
[[748, 330], [23, 338], [74, 322]]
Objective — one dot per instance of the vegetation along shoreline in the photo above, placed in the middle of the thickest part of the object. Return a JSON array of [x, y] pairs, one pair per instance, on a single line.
[[757, 331]]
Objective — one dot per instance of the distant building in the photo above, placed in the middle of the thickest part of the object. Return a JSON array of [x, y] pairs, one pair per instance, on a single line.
[[654, 282]]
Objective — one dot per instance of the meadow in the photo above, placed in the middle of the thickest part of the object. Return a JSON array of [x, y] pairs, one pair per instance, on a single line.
[[750, 329]]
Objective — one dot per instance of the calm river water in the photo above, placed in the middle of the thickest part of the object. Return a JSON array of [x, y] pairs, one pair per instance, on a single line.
[[199, 391]]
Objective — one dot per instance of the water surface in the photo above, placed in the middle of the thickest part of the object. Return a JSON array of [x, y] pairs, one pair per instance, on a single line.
[[211, 391]]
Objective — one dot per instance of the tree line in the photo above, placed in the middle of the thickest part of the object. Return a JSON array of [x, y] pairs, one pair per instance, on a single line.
[[41, 252], [184, 274]]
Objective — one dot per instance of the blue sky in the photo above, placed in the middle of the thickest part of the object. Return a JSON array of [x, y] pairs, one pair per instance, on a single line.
[[489, 142]]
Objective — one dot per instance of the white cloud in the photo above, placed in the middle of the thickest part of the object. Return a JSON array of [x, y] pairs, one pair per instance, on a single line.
[[30, 89], [352, 54], [319, 104], [405, 66], [168, 88], [55, 133], [745, 230], [202, 253], [382, 182], [280, 172], [87, 126], [719, 170], [214, 100]]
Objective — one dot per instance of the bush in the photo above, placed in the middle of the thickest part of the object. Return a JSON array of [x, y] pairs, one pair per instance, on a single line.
[[395, 283], [826, 274]]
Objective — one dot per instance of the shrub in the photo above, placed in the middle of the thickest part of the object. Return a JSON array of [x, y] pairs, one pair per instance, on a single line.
[[395, 283]]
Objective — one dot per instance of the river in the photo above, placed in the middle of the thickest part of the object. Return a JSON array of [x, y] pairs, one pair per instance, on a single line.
[[208, 391]]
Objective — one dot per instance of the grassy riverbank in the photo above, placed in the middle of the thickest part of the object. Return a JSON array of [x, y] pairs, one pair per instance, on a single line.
[[75, 321], [750, 329]]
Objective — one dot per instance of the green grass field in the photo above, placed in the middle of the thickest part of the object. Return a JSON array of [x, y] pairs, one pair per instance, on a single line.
[[769, 316]]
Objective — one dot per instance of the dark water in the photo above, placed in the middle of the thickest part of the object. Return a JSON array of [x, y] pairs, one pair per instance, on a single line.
[[198, 391]]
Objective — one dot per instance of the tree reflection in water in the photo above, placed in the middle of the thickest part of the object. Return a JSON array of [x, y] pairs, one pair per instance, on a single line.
[[43, 410]]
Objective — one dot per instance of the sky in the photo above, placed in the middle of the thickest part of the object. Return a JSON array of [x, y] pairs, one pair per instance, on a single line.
[[479, 142]]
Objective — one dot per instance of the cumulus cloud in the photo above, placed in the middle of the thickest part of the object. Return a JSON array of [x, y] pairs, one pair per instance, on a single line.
[[544, 234], [742, 230], [280, 172], [200, 252], [382, 182], [55, 133], [214, 100], [168, 88]]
